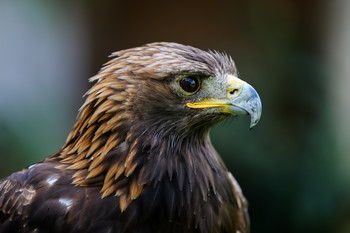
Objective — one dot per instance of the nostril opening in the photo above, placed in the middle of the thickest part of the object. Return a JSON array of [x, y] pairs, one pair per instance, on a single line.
[[233, 91]]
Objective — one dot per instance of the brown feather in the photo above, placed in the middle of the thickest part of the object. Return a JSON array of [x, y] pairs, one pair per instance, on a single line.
[[79, 165], [119, 171], [135, 189], [96, 171], [124, 202]]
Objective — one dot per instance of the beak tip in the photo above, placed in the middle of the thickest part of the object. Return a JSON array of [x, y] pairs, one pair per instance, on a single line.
[[253, 124], [255, 116]]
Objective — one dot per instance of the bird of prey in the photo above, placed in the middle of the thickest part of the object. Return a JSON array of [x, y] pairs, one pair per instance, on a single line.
[[139, 157]]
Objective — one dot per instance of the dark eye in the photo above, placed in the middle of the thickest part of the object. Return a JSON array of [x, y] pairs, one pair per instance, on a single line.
[[189, 84]]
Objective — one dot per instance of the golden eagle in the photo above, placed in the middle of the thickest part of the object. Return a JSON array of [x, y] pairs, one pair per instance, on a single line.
[[139, 158]]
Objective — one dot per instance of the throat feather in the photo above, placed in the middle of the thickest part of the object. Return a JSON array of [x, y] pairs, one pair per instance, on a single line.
[[106, 148]]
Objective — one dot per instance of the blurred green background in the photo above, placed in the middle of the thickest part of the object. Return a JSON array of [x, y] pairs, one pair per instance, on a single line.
[[293, 167]]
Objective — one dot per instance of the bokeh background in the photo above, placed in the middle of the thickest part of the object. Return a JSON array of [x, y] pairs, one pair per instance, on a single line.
[[294, 167]]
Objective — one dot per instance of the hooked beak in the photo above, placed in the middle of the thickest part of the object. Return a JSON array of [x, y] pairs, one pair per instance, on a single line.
[[241, 99]]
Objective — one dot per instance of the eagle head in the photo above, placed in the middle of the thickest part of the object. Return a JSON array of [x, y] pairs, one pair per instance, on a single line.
[[173, 88]]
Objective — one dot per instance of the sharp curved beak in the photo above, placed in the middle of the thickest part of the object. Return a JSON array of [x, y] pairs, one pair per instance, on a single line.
[[241, 99], [247, 102]]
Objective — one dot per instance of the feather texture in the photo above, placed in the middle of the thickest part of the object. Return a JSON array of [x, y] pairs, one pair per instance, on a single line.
[[137, 160]]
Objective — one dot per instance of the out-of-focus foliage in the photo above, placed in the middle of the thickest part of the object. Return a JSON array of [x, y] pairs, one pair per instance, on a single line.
[[288, 166]]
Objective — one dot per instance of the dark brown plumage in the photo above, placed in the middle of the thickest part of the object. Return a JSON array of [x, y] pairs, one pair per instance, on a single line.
[[139, 158]]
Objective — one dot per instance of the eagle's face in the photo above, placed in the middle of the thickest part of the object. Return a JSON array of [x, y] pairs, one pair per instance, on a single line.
[[180, 88]]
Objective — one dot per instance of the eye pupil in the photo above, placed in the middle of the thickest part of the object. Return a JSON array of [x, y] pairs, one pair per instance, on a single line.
[[189, 84]]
